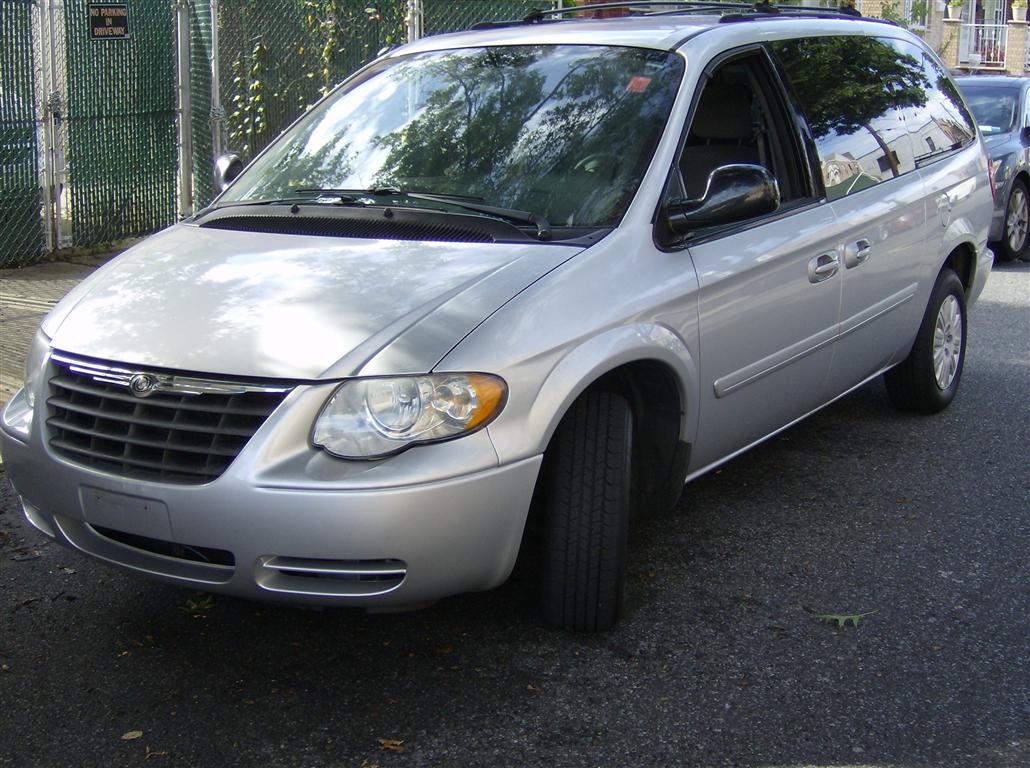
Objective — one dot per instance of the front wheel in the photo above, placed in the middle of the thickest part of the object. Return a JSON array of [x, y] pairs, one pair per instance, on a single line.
[[586, 486], [926, 381]]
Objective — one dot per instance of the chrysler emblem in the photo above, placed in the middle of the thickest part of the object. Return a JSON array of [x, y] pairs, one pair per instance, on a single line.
[[143, 384]]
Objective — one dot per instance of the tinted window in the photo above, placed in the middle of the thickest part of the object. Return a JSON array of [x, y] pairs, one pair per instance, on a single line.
[[853, 92], [944, 118]]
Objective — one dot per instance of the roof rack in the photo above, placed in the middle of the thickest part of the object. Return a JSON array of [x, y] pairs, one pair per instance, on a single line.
[[643, 8]]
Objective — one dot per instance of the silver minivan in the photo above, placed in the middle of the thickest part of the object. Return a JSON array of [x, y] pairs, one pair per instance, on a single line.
[[500, 291]]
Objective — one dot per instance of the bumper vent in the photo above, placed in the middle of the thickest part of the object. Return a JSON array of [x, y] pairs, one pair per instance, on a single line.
[[336, 578], [185, 430], [197, 554]]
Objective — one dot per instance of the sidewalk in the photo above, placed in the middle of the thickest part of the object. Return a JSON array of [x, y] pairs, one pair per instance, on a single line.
[[26, 295]]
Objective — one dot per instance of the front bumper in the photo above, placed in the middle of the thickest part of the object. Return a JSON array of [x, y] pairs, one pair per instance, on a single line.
[[295, 525]]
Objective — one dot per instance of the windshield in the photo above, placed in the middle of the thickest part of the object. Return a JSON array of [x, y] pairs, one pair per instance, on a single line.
[[994, 109], [565, 131]]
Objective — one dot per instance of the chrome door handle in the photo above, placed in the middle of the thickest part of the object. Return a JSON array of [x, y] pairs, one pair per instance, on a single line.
[[857, 253], [823, 267]]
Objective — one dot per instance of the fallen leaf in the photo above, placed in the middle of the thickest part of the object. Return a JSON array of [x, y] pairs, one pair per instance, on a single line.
[[394, 745], [149, 753], [532, 687], [840, 619], [130, 735]]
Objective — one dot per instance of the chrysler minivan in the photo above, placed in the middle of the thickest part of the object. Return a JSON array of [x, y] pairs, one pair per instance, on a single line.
[[502, 290]]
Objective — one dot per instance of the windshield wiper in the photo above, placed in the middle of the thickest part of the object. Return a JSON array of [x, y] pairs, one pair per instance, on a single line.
[[331, 196], [543, 227], [350, 193], [469, 203]]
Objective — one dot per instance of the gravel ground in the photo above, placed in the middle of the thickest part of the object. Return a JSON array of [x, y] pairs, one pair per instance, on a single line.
[[921, 523]]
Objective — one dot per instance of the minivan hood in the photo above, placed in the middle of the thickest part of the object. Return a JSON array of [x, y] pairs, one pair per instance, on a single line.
[[289, 306]]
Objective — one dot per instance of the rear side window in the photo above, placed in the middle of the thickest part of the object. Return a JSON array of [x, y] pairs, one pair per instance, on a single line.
[[854, 92], [943, 121]]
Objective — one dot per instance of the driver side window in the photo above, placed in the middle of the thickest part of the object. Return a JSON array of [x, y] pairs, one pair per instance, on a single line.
[[741, 117]]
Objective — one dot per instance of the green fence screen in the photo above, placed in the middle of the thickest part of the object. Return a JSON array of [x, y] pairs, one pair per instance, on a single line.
[[200, 102], [122, 143], [20, 202]]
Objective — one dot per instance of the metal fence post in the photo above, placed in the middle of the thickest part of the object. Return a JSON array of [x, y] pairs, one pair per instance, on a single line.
[[414, 20], [185, 109], [217, 113], [51, 123]]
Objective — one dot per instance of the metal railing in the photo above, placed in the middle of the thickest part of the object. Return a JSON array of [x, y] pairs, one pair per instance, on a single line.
[[987, 44]]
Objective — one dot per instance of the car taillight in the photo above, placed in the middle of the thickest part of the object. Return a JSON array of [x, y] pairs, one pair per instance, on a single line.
[[992, 170]]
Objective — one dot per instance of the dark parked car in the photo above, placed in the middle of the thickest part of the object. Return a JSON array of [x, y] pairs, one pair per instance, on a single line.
[[1001, 108]]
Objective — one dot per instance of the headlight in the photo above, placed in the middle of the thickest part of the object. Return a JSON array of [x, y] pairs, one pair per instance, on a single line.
[[34, 365], [17, 416], [372, 418]]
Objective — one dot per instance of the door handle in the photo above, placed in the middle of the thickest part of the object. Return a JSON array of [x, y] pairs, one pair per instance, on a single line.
[[944, 209], [823, 267], [857, 253]]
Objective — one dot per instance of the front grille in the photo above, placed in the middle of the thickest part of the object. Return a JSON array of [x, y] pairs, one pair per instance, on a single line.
[[167, 436]]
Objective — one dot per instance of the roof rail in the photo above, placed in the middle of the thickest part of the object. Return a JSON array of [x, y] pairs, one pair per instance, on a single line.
[[643, 8]]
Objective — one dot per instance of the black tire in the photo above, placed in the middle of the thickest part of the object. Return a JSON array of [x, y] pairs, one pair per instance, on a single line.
[[1016, 232], [585, 501], [916, 385]]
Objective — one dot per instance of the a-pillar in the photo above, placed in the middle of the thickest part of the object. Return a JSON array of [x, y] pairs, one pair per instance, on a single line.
[[1015, 48]]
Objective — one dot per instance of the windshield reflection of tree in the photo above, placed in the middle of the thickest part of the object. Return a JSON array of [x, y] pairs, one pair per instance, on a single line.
[[298, 167], [848, 83], [496, 129]]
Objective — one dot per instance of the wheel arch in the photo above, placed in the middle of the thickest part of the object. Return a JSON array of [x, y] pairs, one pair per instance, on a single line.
[[652, 368], [962, 261]]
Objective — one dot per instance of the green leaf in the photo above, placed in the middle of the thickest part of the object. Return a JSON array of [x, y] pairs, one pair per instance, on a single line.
[[840, 619]]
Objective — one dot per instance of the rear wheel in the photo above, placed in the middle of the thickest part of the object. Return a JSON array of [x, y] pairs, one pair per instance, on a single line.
[[926, 381], [586, 484]]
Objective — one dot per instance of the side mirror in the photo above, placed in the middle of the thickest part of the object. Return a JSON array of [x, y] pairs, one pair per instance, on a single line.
[[227, 168], [733, 193]]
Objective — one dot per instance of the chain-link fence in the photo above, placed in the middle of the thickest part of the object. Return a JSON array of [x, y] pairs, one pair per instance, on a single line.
[[457, 15], [21, 219]]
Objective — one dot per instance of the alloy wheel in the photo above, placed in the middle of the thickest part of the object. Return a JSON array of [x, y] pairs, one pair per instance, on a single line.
[[947, 342], [1016, 220]]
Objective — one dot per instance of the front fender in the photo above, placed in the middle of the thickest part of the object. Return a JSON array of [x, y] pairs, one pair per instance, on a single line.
[[526, 429]]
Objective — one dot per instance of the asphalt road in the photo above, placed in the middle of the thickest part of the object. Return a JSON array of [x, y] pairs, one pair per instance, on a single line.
[[921, 522]]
